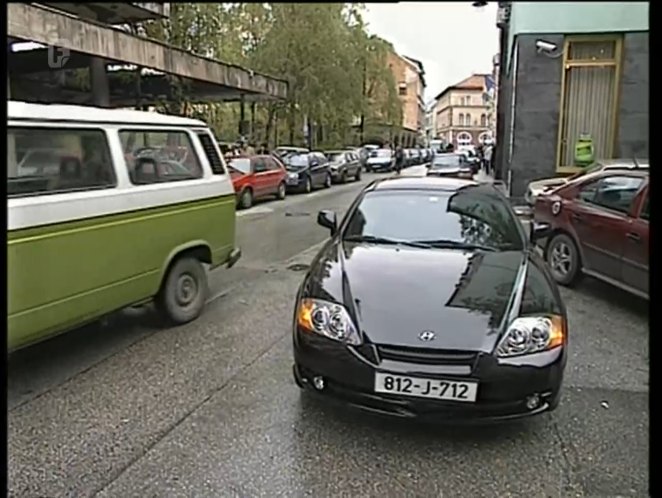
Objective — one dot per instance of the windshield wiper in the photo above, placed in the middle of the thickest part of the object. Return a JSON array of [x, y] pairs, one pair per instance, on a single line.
[[452, 244], [385, 240]]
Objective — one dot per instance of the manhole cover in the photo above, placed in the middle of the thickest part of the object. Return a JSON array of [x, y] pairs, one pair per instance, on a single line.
[[298, 267], [296, 214]]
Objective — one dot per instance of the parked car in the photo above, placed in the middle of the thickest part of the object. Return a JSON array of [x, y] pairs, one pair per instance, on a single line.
[[287, 150], [307, 171], [256, 177], [343, 164], [408, 308], [380, 160], [538, 187], [600, 227], [451, 165]]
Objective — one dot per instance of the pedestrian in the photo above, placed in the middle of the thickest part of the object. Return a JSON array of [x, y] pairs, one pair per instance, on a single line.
[[399, 158], [487, 159]]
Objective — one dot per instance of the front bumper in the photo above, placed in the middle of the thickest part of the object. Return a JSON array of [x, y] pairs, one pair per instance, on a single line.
[[380, 166], [504, 385], [295, 183]]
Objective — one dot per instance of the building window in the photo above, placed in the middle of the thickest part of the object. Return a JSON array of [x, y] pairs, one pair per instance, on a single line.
[[589, 99], [483, 120], [159, 156], [402, 89], [463, 138], [52, 160], [460, 119]]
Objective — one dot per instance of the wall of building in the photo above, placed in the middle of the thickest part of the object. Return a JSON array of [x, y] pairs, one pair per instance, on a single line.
[[533, 127], [576, 17], [413, 114]]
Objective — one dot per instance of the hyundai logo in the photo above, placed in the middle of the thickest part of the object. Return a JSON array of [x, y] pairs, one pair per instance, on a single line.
[[426, 336]]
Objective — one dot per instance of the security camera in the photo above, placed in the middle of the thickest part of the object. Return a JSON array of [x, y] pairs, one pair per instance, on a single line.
[[545, 47]]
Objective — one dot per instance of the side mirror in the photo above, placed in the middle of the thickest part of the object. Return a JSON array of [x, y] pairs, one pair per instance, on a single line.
[[540, 231], [327, 219]]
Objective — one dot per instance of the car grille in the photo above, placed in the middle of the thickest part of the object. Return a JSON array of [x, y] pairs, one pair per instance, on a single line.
[[427, 356]]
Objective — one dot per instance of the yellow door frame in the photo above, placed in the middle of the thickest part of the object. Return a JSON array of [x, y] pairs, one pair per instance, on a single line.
[[568, 64]]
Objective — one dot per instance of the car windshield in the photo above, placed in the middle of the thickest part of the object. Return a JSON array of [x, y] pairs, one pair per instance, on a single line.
[[449, 160], [464, 219], [242, 165], [296, 161], [381, 153]]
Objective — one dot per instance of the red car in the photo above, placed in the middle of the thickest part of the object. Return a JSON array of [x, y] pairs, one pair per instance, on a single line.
[[256, 177], [599, 227]]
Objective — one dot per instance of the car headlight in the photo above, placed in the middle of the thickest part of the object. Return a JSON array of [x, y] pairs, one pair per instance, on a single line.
[[531, 334], [328, 319], [293, 176]]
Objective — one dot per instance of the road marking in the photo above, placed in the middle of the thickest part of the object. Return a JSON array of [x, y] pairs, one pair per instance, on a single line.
[[255, 210]]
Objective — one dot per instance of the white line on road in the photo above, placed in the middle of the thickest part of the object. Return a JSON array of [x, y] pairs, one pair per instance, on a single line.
[[255, 210]]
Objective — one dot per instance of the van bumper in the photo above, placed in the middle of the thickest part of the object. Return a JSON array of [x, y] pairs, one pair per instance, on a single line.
[[234, 257]]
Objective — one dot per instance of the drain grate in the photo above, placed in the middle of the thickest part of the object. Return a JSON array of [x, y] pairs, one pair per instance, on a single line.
[[298, 267]]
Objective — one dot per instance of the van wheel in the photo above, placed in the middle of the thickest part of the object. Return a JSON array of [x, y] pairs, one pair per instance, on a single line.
[[246, 199], [184, 291], [282, 191]]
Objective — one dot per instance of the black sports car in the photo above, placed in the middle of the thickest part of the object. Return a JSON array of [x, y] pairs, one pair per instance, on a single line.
[[429, 300]]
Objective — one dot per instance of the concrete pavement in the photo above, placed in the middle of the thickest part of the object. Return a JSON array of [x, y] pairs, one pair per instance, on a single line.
[[210, 409]]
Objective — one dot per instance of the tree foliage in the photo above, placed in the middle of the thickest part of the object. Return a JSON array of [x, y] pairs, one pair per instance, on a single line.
[[336, 71]]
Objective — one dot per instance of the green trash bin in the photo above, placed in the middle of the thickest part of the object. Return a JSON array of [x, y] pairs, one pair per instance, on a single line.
[[584, 152]]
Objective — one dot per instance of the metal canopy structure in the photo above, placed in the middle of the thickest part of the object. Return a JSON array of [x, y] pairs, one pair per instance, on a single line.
[[199, 79]]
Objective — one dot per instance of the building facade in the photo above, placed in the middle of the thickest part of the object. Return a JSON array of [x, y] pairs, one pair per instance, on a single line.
[[409, 76], [567, 70], [430, 122], [462, 112]]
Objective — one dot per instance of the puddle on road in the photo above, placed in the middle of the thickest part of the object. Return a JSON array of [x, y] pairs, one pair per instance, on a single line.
[[289, 213]]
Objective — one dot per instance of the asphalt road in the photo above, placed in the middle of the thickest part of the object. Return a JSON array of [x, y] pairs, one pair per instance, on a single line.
[[126, 409]]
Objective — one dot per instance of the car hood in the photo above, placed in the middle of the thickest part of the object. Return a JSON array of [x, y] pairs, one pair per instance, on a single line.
[[540, 185], [394, 293], [379, 159]]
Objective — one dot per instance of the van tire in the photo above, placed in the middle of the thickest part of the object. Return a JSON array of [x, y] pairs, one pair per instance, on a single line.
[[184, 291]]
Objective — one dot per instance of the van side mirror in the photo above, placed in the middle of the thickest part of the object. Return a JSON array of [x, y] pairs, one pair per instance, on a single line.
[[540, 231], [327, 219]]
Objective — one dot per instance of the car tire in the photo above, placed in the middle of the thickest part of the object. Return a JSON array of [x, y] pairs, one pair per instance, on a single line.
[[329, 181], [357, 176], [308, 185], [297, 380], [282, 191], [182, 296], [246, 199], [563, 259], [343, 177], [368, 169]]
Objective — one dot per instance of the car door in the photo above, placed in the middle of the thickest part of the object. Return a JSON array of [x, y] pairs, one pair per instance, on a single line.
[[636, 252], [599, 218], [273, 176], [353, 163], [318, 168], [261, 176]]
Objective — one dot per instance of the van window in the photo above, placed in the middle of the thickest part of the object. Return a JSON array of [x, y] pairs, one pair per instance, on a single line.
[[212, 155], [159, 156], [50, 160]]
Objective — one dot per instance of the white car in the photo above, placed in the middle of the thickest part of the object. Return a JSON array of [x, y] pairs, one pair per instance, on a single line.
[[380, 160]]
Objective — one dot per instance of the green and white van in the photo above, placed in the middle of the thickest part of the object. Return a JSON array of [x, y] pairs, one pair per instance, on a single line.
[[108, 209]]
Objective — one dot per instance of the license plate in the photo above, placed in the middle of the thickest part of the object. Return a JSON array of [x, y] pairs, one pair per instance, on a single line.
[[449, 390]]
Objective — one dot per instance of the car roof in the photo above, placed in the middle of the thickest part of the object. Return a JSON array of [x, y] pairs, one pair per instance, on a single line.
[[26, 111], [429, 183], [336, 151], [630, 171], [623, 163]]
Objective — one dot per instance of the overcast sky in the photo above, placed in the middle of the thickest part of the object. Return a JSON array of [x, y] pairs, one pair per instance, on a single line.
[[452, 39]]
